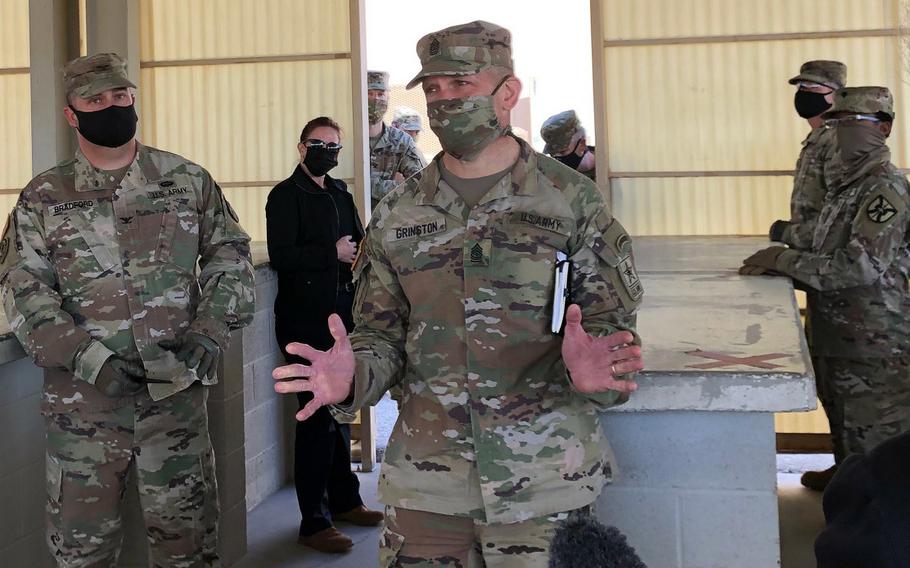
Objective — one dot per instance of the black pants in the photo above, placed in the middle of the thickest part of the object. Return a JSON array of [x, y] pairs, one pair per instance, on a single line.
[[322, 456]]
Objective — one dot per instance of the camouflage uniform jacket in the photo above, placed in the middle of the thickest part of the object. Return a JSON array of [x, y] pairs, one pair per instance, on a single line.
[[393, 152], [858, 264], [91, 268], [809, 188], [454, 304]]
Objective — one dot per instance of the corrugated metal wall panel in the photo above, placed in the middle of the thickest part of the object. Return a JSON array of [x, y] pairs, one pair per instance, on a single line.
[[242, 122], [249, 203], [701, 206], [15, 131], [15, 103], [721, 106], [14, 34], [636, 19], [814, 422], [196, 29]]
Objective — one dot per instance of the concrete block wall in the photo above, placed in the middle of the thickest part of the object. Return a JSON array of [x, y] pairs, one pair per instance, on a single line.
[[694, 489], [22, 485], [268, 416]]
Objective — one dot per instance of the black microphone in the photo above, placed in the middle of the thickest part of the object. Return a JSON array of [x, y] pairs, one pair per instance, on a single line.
[[583, 542]]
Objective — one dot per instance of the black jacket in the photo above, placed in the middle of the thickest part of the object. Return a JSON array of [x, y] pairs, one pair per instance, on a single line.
[[302, 229], [867, 508]]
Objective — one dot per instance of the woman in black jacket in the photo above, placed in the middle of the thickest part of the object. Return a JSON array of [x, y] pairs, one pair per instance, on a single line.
[[313, 230]]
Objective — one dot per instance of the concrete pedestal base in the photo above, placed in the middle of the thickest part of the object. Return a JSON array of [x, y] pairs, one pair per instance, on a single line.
[[694, 489]]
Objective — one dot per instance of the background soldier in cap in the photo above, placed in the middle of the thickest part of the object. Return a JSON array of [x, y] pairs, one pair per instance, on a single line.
[[858, 267], [565, 138], [816, 83], [498, 438], [393, 154], [407, 120], [99, 279]]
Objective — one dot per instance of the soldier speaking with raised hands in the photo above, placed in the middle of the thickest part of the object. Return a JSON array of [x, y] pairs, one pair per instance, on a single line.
[[498, 437]]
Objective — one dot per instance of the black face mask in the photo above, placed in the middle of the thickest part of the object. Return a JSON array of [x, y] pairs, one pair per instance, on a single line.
[[111, 127], [572, 159], [809, 104], [320, 160]]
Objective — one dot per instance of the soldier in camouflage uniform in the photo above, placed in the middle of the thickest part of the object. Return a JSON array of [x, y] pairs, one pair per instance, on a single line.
[[394, 156], [565, 140], [407, 120], [817, 81], [99, 280], [498, 438], [858, 267]]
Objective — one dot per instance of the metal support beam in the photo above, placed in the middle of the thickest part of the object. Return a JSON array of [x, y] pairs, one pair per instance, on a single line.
[[53, 40]]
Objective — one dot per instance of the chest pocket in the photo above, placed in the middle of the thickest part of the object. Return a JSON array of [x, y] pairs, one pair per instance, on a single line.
[[83, 245], [524, 254], [423, 243], [170, 211]]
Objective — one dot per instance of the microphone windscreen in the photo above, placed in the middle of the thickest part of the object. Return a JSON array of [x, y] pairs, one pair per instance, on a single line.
[[583, 542]]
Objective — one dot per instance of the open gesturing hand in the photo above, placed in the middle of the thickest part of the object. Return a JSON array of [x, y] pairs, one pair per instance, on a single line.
[[329, 375], [594, 363]]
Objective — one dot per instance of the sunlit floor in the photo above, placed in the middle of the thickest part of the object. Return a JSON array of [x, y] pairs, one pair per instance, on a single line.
[[273, 525]]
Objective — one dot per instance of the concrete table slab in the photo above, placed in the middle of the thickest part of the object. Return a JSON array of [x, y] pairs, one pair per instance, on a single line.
[[695, 446]]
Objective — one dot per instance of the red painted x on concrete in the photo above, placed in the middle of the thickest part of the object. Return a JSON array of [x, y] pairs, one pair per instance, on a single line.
[[724, 360]]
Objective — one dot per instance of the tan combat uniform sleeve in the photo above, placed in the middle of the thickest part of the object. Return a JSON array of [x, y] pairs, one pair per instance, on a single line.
[[380, 314], [605, 283], [226, 276], [877, 234], [33, 305]]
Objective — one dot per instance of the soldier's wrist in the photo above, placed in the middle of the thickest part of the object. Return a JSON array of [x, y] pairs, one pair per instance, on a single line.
[[90, 360]]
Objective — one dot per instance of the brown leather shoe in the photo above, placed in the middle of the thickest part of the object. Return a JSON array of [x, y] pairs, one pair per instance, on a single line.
[[327, 540], [361, 516], [818, 480]]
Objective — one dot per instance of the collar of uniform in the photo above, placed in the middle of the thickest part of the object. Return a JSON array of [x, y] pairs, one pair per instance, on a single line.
[[516, 182], [813, 136], [383, 139], [141, 171], [428, 186]]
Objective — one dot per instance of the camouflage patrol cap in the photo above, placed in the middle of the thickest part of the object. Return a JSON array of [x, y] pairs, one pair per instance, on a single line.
[[93, 74], [406, 118], [863, 100], [558, 130], [464, 49], [378, 80], [828, 73]]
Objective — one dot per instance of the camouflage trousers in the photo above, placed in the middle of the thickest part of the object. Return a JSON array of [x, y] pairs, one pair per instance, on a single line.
[[92, 449], [867, 400], [418, 539]]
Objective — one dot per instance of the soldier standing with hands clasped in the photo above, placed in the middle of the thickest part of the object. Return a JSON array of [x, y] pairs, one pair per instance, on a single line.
[[98, 267], [498, 438]]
